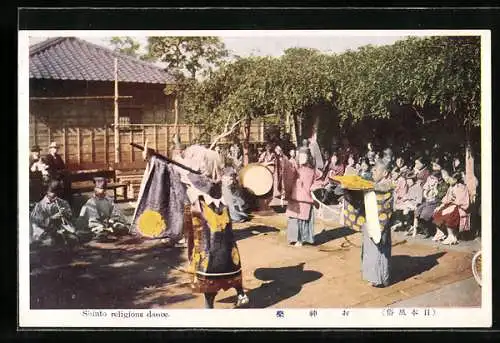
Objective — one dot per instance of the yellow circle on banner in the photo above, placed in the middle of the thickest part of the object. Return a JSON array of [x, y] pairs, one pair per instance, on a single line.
[[361, 220], [235, 256], [387, 196], [151, 223], [382, 216], [350, 208], [352, 217]]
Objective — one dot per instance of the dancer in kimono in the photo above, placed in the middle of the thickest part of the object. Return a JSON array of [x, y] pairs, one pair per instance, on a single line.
[[51, 218], [300, 181], [452, 213], [375, 257], [99, 214], [214, 259]]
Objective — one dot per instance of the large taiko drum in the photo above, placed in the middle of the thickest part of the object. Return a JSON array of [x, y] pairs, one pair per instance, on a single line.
[[257, 178]]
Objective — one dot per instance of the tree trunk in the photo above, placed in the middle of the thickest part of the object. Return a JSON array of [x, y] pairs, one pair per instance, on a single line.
[[246, 141], [470, 178], [295, 131]]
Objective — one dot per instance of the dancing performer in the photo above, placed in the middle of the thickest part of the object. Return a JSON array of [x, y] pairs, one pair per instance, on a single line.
[[214, 259], [371, 212]]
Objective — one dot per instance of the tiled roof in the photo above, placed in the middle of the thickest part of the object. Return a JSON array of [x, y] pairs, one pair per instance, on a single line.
[[70, 58]]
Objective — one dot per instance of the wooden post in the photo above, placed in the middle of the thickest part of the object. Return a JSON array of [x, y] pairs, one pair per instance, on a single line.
[[155, 137], [176, 109], [35, 138], [78, 145], [117, 131], [65, 143], [106, 160], [131, 141], [167, 140], [92, 147]]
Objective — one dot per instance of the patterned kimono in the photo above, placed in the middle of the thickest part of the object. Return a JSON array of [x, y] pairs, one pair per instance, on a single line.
[[213, 254], [100, 213], [375, 258], [42, 225]]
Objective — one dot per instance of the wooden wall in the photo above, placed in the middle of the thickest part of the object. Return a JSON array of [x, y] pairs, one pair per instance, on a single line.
[[93, 147]]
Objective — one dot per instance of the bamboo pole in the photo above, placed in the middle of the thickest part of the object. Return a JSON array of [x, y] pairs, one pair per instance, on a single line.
[[116, 129], [103, 97]]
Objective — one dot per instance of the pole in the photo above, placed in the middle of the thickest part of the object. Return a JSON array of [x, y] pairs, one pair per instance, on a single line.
[[166, 159], [117, 131], [176, 119]]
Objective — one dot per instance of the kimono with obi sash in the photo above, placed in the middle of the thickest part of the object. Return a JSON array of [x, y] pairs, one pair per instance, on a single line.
[[299, 182], [214, 259], [453, 209]]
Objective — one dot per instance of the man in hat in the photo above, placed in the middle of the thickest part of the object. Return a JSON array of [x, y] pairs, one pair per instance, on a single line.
[[49, 216], [37, 164], [100, 214], [55, 162], [39, 175]]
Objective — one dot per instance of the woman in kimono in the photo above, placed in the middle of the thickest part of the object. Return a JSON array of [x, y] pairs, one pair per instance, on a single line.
[[452, 213], [335, 168], [434, 190], [350, 168], [300, 180], [214, 259]]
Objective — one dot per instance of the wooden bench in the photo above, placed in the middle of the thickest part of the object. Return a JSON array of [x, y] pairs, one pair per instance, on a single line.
[[85, 182]]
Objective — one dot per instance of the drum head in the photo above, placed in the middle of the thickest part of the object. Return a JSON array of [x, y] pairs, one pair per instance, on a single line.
[[257, 179]]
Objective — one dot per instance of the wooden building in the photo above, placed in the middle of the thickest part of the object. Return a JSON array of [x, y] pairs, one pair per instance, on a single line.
[[72, 88]]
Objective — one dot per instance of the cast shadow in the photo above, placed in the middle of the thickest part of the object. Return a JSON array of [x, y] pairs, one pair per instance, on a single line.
[[332, 234], [253, 231], [104, 277], [285, 282], [404, 267]]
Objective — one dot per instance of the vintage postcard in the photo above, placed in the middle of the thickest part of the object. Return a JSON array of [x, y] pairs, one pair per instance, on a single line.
[[255, 179]]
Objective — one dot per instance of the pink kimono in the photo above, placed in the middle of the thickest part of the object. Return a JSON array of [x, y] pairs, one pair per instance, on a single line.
[[299, 181], [399, 193], [457, 195]]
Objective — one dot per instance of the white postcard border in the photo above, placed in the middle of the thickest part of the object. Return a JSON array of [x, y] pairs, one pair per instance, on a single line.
[[261, 318]]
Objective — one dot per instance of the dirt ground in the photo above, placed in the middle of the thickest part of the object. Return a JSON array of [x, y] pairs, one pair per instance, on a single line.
[[129, 273]]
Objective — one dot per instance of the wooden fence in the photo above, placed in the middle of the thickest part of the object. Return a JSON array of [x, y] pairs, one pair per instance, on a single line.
[[93, 148]]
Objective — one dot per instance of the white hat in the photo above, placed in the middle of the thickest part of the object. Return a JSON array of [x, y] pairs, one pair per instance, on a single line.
[[53, 145]]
